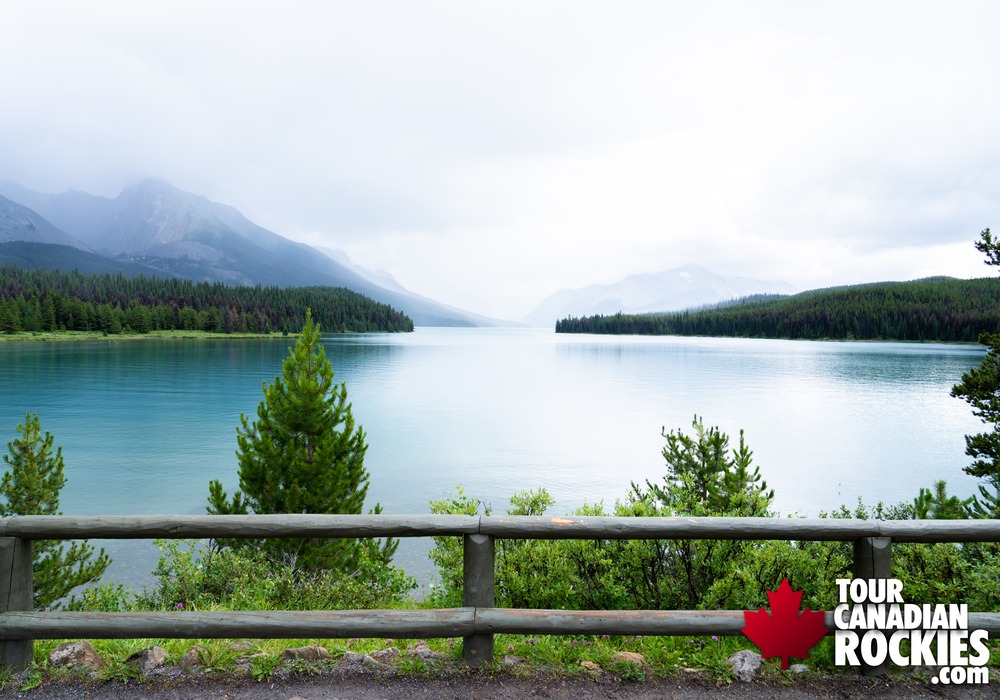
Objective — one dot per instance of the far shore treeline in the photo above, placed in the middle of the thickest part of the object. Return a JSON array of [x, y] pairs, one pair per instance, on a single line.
[[35, 300], [937, 309]]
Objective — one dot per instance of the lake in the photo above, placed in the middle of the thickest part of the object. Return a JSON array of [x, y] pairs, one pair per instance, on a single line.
[[145, 425]]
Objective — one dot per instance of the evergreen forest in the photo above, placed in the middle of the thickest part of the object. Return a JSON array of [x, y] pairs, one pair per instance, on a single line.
[[938, 309], [36, 300]]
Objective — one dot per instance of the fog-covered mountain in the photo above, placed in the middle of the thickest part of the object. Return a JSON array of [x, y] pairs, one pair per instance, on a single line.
[[19, 223], [170, 232], [672, 290], [379, 277]]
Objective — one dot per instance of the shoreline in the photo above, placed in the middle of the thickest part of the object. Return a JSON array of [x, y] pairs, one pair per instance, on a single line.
[[77, 336], [792, 340]]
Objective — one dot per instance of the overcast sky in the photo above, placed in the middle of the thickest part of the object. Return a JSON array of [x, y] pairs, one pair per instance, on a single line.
[[490, 153]]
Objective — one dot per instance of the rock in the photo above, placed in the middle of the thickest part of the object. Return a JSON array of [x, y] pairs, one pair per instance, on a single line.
[[590, 666], [352, 659], [425, 653], [630, 657], [242, 645], [191, 657], [511, 660], [744, 664], [386, 656], [148, 660], [798, 668], [313, 652], [76, 654]]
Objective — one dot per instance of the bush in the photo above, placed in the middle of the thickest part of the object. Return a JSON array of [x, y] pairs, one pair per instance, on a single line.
[[705, 478], [192, 578]]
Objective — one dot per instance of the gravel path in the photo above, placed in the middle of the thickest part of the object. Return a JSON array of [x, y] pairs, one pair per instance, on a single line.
[[360, 685]]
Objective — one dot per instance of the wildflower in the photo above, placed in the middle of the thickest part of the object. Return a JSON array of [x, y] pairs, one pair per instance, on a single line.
[[714, 638], [179, 606]]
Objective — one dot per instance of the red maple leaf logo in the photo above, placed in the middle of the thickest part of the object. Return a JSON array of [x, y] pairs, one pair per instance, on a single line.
[[784, 632]]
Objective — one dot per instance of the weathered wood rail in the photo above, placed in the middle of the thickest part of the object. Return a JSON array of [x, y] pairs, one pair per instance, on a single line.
[[476, 622]]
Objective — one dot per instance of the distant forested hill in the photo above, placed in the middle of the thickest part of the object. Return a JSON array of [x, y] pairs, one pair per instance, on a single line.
[[49, 300], [935, 309]]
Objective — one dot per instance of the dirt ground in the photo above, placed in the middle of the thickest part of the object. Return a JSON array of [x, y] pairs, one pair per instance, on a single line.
[[339, 684]]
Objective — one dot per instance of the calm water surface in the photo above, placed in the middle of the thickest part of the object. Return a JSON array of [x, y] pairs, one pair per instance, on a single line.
[[145, 425]]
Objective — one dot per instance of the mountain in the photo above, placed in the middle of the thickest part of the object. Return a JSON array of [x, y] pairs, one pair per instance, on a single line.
[[671, 290], [19, 223], [84, 214], [379, 277], [51, 256], [390, 283], [174, 233]]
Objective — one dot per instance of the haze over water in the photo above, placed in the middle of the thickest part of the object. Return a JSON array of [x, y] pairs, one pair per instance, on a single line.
[[144, 425]]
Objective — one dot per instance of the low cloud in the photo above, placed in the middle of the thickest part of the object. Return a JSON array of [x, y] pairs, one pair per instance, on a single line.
[[489, 155]]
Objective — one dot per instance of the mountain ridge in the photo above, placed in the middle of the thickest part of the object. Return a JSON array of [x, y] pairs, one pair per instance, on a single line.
[[170, 232], [675, 289], [21, 223]]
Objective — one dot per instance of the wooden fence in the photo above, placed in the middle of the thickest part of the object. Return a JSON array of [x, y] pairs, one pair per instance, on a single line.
[[476, 622]]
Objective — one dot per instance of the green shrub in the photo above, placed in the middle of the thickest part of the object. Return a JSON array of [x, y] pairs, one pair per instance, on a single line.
[[705, 478], [189, 577]]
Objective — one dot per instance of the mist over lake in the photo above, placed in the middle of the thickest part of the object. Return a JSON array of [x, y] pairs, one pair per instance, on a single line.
[[144, 425]]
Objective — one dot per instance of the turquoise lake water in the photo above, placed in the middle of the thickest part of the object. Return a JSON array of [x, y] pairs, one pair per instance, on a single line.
[[144, 425]]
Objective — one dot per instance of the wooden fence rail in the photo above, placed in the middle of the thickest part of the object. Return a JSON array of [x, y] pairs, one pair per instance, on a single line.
[[476, 622]]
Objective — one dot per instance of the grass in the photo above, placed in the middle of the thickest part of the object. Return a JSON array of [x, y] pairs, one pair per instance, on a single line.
[[64, 336], [665, 656], [265, 656], [260, 660]]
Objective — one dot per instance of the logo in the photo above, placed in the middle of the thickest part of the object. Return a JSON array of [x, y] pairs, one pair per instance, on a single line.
[[874, 625], [785, 632]]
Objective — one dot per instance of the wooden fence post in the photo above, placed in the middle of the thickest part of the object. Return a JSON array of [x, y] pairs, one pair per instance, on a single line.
[[873, 560], [477, 589], [16, 595]]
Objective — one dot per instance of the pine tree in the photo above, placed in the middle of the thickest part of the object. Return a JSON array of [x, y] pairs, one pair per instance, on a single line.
[[303, 454], [705, 477], [980, 388], [31, 486], [938, 504]]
